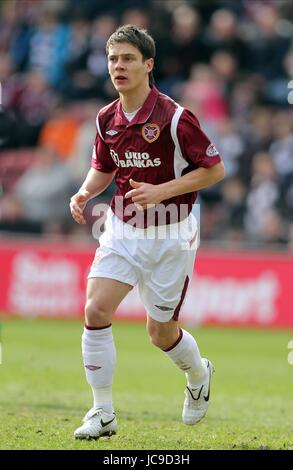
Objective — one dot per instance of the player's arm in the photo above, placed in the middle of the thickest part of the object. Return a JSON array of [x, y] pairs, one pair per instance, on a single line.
[[94, 184], [146, 194], [194, 181]]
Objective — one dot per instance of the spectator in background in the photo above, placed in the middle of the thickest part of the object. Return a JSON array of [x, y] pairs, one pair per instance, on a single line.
[[102, 27], [9, 23], [86, 67], [269, 43], [230, 145], [78, 82], [29, 97], [48, 48], [290, 236], [203, 95], [257, 136], [286, 198], [33, 104], [10, 82], [136, 16], [15, 33], [82, 146], [273, 229], [9, 137], [268, 47], [262, 197], [42, 192], [181, 49], [223, 34], [225, 67], [232, 210], [60, 131], [281, 148], [243, 99]]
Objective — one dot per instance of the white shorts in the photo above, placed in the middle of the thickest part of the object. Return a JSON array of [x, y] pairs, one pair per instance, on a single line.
[[158, 259]]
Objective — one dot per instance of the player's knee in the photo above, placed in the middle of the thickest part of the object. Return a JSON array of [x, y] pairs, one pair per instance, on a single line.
[[97, 313]]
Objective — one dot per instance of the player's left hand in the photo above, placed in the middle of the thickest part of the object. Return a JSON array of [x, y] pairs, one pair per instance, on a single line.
[[144, 195]]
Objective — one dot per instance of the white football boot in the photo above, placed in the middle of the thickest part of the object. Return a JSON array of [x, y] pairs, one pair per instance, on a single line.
[[196, 401], [97, 423]]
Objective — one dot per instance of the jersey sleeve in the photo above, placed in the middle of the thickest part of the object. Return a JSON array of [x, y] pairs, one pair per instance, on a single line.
[[101, 158], [194, 144]]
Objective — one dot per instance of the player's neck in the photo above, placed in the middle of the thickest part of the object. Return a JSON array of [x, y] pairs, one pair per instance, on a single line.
[[134, 99]]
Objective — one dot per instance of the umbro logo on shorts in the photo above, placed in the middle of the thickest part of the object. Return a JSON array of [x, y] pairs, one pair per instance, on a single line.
[[164, 309]]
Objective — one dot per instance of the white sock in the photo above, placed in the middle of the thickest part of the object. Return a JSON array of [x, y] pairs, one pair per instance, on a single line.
[[103, 398], [99, 358], [187, 357]]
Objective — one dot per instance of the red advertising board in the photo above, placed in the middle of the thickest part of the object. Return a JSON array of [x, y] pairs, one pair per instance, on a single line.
[[241, 288]]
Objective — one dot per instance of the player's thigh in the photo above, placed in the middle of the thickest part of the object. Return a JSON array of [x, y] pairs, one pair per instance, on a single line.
[[163, 293], [103, 298]]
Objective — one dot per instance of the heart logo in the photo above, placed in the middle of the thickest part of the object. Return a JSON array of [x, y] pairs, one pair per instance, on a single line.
[[150, 132]]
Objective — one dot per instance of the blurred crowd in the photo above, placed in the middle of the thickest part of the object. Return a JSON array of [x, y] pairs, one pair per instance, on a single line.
[[230, 62]]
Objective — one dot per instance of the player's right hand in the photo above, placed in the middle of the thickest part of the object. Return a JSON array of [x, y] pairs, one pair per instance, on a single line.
[[77, 205]]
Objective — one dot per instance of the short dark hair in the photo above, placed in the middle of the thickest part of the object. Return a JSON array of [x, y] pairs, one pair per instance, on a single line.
[[139, 38]]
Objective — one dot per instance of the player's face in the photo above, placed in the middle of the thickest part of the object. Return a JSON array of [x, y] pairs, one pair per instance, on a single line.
[[128, 70]]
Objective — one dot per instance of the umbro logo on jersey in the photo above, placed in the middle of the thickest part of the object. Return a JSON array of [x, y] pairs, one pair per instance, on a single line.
[[111, 132], [92, 368]]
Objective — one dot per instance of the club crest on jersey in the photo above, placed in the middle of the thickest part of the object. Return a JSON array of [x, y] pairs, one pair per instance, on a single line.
[[150, 132], [212, 151]]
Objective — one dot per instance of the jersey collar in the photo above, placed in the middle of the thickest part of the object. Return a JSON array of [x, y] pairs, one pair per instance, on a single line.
[[142, 115]]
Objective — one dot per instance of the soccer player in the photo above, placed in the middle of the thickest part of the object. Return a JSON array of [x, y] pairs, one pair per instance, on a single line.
[[159, 158]]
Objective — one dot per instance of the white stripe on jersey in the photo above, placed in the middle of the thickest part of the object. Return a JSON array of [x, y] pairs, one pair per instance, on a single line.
[[179, 161], [98, 127]]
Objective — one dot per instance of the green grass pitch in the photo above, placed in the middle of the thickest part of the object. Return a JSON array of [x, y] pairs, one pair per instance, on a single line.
[[43, 393]]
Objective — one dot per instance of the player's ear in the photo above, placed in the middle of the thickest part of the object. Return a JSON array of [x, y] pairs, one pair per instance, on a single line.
[[150, 64]]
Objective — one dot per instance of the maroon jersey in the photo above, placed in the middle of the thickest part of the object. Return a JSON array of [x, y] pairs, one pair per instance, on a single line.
[[162, 142]]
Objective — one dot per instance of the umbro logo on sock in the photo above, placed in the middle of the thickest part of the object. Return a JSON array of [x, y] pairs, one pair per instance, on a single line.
[[92, 368]]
